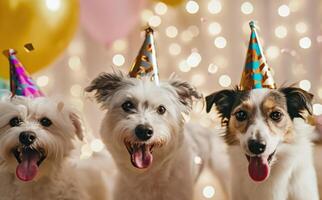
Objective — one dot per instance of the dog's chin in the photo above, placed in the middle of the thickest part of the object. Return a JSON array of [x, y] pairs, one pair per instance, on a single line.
[[29, 160], [259, 166], [141, 153]]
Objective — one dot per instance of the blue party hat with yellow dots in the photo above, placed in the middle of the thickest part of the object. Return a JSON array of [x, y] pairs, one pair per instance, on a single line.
[[257, 73]]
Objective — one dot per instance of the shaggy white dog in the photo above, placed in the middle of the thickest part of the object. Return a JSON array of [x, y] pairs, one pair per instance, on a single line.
[[145, 132], [36, 137], [269, 144]]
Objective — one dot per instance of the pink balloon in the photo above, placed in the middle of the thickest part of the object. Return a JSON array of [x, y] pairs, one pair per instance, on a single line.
[[108, 20]]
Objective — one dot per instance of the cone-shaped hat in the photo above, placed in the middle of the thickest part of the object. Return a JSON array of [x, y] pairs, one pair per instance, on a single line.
[[145, 63], [20, 81], [257, 73]]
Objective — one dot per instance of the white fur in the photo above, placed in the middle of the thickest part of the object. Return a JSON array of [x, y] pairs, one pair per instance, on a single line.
[[58, 176], [173, 172], [292, 174]]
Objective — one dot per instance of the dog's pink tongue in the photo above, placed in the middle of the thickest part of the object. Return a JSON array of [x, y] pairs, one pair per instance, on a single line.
[[28, 168], [141, 157], [258, 168]]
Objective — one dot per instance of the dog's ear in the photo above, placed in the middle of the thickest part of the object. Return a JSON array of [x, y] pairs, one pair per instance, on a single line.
[[298, 101], [105, 85], [185, 91], [224, 101], [78, 125]]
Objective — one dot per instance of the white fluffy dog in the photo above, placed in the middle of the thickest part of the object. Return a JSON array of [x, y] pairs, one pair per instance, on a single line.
[[269, 143], [36, 140], [144, 131]]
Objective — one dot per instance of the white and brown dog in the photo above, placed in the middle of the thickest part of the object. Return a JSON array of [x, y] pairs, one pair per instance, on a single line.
[[269, 144], [36, 137], [145, 132]]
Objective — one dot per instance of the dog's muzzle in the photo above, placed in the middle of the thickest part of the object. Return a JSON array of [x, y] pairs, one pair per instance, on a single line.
[[140, 153], [29, 158]]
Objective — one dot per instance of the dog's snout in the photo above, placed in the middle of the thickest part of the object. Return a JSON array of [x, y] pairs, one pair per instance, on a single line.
[[27, 137], [143, 132], [256, 146]]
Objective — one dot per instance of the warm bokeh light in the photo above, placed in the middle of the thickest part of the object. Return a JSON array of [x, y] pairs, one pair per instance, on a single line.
[[305, 42], [174, 49], [118, 60], [212, 68], [184, 67], [97, 145], [272, 52], [247, 8], [53, 5], [76, 90], [146, 15], [192, 7], [161, 8], [208, 192], [198, 79], [214, 6], [119, 45], [305, 85], [301, 27], [155, 21], [194, 59], [74, 63], [224, 80], [214, 28], [284, 11], [317, 109], [281, 31], [198, 160], [42, 81], [220, 42], [171, 31]]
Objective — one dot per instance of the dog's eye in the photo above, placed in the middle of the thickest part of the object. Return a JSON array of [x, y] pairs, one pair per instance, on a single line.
[[161, 110], [16, 121], [128, 106], [276, 116], [45, 122], [241, 115]]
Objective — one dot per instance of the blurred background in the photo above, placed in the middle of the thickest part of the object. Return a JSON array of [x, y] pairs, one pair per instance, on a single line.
[[203, 41]]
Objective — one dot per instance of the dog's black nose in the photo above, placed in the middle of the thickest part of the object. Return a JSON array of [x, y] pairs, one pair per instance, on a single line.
[[143, 132], [27, 137], [256, 146]]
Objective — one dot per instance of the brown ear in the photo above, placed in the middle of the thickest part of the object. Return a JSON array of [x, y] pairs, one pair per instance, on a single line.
[[185, 91], [78, 125], [105, 85], [298, 101]]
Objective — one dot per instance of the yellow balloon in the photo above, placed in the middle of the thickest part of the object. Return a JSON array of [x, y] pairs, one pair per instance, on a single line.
[[172, 2], [48, 24]]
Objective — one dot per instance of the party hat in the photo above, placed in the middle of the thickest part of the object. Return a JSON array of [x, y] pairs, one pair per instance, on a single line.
[[20, 81], [257, 73], [145, 63]]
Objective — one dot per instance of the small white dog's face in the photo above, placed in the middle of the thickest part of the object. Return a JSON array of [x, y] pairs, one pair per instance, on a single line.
[[144, 121], [35, 136], [259, 120]]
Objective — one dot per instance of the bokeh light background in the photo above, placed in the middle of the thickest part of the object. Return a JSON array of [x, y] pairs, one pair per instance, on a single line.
[[204, 42]]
